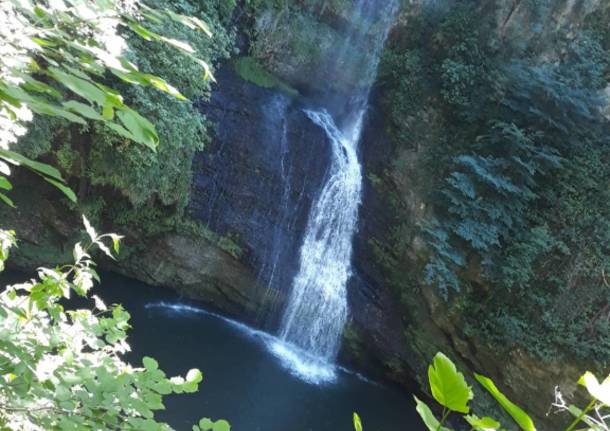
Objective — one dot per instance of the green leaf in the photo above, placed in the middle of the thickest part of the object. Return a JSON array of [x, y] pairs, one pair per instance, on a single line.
[[431, 422], [221, 425], [44, 108], [41, 168], [150, 364], [164, 86], [519, 416], [107, 112], [206, 424], [43, 43], [121, 130], [4, 198], [34, 85], [63, 188], [357, 422], [482, 424], [143, 32], [5, 183], [142, 129], [85, 89], [599, 391], [85, 110], [448, 385], [116, 242]]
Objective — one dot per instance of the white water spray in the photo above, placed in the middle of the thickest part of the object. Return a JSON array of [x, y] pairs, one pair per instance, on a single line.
[[312, 325]]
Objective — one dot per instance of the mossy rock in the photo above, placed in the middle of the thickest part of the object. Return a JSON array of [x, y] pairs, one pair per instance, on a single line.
[[252, 71]]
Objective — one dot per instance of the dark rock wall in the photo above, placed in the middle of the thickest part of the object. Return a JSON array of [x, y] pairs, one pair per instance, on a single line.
[[258, 178]]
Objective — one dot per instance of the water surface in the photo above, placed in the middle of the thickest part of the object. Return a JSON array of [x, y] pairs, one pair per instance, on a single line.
[[243, 382]]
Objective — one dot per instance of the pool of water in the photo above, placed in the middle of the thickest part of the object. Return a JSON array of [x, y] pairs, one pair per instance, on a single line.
[[244, 382]]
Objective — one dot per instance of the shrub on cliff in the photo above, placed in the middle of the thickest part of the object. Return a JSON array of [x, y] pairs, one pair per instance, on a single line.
[[120, 179], [64, 369], [512, 156]]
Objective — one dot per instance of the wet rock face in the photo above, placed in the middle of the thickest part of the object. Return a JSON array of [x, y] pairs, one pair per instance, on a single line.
[[255, 183], [375, 310]]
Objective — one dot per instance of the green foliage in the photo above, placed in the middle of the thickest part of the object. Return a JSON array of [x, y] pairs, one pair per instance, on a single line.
[[431, 422], [206, 424], [131, 180], [357, 422], [404, 71], [62, 68], [250, 70], [513, 161], [448, 386], [519, 416], [64, 368], [67, 48], [453, 382]]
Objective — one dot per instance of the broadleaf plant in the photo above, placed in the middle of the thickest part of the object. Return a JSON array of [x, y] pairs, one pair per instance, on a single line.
[[448, 386], [55, 58], [64, 368]]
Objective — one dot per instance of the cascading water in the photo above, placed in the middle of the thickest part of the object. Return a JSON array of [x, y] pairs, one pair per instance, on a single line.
[[312, 325]]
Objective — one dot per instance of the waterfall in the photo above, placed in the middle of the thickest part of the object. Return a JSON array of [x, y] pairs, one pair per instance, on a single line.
[[312, 326]]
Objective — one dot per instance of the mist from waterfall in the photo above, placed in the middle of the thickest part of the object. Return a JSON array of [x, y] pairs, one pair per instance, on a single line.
[[312, 326]]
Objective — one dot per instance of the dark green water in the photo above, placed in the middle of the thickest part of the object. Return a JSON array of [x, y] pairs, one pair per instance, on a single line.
[[243, 382]]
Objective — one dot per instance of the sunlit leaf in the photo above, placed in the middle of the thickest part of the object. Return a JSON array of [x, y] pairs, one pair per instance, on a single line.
[[89, 229], [42, 168], [5, 184], [431, 422], [599, 391], [519, 416], [449, 386], [85, 89], [221, 425], [85, 110], [181, 45], [482, 424]]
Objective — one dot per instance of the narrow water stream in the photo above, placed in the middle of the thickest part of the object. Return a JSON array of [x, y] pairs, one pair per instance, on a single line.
[[243, 382]]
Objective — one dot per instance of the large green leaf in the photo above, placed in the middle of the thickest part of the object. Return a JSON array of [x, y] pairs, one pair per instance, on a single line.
[[41, 168], [4, 198], [431, 422], [221, 425], [5, 183], [41, 107], [518, 415], [357, 422], [599, 391], [482, 424], [449, 386], [63, 188], [143, 32], [85, 89], [85, 110], [142, 130]]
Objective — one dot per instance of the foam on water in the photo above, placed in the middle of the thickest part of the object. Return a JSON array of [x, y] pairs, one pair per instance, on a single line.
[[300, 364]]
